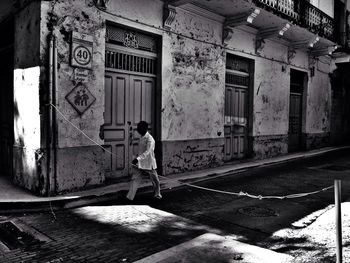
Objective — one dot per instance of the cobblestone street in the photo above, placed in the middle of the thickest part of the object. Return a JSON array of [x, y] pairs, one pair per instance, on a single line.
[[117, 232]]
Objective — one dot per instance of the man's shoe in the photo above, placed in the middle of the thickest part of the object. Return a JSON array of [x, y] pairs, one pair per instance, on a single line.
[[159, 197]]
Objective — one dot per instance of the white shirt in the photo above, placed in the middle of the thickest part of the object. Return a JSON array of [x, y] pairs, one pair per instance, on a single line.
[[146, 159]]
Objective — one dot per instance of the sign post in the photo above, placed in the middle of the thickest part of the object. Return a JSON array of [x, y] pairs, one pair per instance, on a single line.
[[338, 221]]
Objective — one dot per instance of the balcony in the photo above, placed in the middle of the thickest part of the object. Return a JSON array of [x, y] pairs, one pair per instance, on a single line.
[[301, 13], [294, 23]]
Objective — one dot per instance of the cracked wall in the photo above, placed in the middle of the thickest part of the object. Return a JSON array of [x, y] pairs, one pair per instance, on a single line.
[[270, 120], [61, 18], [193, 76], [318, 108]]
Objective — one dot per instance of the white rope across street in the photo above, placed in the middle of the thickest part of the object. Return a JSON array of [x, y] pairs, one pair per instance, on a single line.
[[260, 197], [241, 193]]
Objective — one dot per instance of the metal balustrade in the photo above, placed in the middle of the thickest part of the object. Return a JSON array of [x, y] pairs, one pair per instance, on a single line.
[[303, 13]]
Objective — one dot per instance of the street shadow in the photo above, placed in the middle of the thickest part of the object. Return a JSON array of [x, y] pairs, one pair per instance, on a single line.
[[118, 232]]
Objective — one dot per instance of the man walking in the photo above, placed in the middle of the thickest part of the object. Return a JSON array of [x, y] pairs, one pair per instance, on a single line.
[[145, 163]]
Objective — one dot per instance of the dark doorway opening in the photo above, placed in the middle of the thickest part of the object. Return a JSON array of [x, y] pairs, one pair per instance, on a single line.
[[297, 84], [6, 96]]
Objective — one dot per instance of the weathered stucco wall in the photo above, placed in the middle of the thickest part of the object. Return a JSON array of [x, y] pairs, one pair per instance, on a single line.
[[318, 103], [26, 97], [271, 102], [271, 98], [192, 82], [270, 92], [193, 75], [149, 12], [269, 134], [63, 17], [318, 108]]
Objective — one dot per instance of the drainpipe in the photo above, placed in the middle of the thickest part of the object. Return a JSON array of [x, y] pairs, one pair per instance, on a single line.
[[51, 118]]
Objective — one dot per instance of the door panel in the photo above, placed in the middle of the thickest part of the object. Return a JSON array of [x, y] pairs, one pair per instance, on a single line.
[[235, 130], [141, 97], [295, 121], [129, 99], [116, 127]]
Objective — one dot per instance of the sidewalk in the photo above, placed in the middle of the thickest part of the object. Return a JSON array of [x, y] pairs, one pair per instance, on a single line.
[[13, 198]]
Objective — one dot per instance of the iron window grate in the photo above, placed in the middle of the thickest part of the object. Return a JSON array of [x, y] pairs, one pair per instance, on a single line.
[[129, 62], [236, 80]]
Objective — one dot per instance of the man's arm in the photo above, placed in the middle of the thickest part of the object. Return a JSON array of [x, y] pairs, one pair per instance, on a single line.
[[149, 148]]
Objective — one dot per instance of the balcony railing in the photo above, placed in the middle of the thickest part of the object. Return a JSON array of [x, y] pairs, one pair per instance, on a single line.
[[303, 13]]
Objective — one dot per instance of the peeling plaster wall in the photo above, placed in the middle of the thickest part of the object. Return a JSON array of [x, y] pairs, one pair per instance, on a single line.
[[149, 12], [63, 17], [26, 98], [318, 104], [193, 76], [271, 98], [80, 163], [318, 109], [269, 134], [190, 155], [193, 89], [270, 92], [192, 81]]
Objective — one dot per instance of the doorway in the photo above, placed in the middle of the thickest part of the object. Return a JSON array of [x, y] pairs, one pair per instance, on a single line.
[[6, 97], [128, 100], [237, 85], [297, 83], [130, 90]]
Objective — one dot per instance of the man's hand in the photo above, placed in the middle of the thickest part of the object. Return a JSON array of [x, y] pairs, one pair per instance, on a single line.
[[135, 161]]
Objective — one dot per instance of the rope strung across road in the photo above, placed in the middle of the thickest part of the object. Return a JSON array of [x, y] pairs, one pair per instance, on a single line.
[[260, 197], [241, 193]]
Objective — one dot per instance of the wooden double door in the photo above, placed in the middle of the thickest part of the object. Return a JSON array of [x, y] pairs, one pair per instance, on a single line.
[[128, 100], [236, 122]]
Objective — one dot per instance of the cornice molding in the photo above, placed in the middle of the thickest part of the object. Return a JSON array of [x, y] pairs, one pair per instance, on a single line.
[[194, 9]]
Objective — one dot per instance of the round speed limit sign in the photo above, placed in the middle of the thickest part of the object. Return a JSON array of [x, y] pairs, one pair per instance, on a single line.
[[82, 55]]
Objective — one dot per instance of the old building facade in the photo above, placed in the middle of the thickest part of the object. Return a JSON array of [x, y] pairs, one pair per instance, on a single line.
[[217, 81]]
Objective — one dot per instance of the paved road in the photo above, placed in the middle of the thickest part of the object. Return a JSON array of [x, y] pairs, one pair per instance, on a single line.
[[115, 232]]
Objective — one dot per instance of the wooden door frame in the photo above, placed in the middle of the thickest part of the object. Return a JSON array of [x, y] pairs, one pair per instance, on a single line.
[[304, 92], [250, 101], [155, 96]]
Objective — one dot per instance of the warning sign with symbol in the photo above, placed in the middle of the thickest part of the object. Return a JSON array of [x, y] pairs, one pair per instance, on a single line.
[[81, 50], [80, 98]]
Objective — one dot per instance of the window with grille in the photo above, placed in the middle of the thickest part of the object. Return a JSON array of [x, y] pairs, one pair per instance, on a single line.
[[237, 63], [234, 79], [237, 71], [130, 62], [132, 39]]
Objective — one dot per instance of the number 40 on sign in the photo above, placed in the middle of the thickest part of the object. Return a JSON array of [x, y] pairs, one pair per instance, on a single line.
[[81, 50]]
